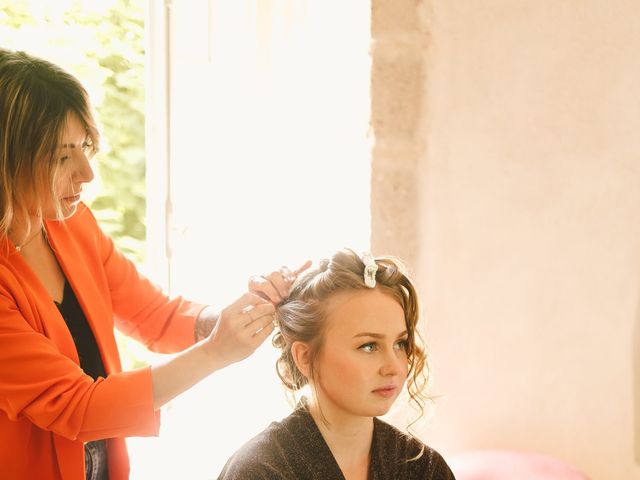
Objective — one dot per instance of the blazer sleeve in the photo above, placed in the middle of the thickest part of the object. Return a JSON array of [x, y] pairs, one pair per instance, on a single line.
[[40, 384], [142, 311], [40, 379]]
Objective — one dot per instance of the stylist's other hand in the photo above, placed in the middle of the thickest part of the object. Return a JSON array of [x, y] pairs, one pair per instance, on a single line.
[[275, 287], [240, 329]]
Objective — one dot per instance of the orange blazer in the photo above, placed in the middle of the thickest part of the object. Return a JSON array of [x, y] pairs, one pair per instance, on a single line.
[[48, 406]]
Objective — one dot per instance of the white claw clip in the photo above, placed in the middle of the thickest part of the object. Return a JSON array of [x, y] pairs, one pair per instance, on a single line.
[[370, 269]]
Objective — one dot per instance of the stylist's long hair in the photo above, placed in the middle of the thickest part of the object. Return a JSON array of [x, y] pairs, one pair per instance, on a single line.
[[36, 98]]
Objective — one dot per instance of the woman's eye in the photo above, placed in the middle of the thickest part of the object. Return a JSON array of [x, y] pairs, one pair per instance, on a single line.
[[87, 145], [401, 345], [64, 158], [368, 347]]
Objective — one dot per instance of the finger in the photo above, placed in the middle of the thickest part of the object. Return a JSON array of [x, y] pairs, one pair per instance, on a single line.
[[280, 283], [262, 310], [246, 300], [247, 318], [263, 333], [302, 268], [286, 273], [252, 314], [266, 289], [255, 281]]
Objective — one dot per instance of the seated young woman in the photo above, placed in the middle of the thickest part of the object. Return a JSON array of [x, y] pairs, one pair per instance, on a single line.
[[348, 329]]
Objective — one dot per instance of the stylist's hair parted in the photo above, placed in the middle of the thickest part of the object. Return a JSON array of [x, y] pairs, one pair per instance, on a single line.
[[36, 98], [301, 316]]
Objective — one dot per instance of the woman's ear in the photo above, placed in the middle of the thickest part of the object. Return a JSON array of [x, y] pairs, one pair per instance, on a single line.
[[301, 353]]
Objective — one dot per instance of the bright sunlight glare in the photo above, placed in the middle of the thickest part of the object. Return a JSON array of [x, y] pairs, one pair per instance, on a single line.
[[269, 165]]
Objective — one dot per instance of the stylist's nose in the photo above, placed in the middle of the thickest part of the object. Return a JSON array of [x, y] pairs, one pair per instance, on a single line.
[[83, 172]]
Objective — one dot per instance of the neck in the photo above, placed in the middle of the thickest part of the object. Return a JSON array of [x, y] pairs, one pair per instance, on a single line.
[[348, 436], [24, 233]]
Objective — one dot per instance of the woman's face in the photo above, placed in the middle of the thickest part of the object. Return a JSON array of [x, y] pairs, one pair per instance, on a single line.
[[75, 170], [362, 365]]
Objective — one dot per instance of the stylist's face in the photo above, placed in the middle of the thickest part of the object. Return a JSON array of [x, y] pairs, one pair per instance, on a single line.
[[75, 170]]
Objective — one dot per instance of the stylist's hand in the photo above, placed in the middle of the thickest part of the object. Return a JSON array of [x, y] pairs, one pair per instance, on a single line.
[[240, 329], [275, 287]]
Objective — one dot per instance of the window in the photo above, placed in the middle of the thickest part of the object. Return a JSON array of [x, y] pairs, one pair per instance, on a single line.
[[268, 163]]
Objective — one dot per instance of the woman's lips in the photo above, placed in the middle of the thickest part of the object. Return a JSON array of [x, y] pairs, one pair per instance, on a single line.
[[73, 198], [386, 391]]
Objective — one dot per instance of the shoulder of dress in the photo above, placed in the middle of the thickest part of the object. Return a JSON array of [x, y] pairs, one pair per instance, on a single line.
[[269, 442], [409, 450], [387, 435], [254, 454], [265, 438], [382, 427]]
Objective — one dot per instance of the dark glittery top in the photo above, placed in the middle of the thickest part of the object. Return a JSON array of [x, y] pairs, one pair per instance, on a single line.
[[294, 449]]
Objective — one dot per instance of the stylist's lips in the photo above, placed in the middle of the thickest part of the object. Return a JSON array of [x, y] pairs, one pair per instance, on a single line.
[[73, 198], [387, 391]]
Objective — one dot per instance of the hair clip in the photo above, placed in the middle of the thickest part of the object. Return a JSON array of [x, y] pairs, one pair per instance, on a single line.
[[370, 269]]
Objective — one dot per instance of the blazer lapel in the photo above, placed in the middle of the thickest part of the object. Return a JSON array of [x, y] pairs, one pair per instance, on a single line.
[[44, 314]]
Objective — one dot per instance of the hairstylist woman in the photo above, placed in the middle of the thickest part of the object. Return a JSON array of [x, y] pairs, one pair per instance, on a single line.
[[65, 404]]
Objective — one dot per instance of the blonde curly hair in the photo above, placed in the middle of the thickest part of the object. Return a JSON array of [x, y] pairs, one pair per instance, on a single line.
[[300, 317]]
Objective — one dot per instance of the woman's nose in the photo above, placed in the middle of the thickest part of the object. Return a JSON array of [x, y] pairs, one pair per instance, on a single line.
[[393, 362], [83, 172]]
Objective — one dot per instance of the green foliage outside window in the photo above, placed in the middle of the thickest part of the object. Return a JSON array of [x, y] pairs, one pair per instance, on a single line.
[[102, 43]]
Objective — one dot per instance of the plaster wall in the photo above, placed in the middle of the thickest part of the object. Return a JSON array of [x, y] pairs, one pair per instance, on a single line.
[[522, 159]]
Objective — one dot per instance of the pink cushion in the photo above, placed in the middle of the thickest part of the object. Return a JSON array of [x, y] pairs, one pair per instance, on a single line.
[[506, 465]]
